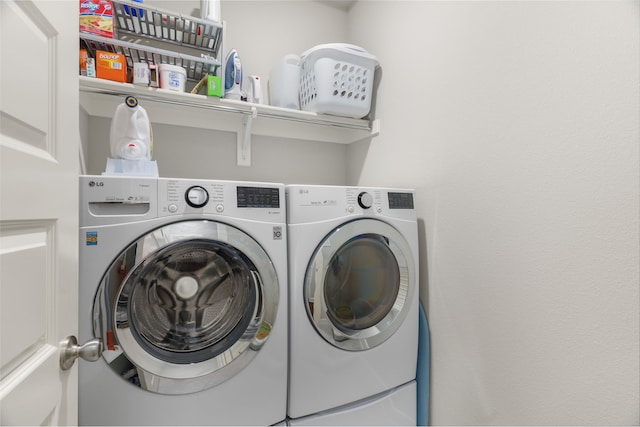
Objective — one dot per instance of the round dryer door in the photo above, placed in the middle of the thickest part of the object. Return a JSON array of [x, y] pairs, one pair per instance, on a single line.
[[359, 283], [186, 306]]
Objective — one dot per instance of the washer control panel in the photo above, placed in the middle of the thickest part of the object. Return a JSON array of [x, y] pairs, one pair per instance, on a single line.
[[228, 198], [177, 196], [114, 199]]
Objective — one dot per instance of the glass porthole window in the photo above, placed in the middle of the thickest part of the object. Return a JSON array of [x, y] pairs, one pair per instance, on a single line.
[[186, 306], [190, 302], [362, 283], [358, 283]]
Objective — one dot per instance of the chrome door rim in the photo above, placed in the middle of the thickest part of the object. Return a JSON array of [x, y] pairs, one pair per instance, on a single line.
[[161, 375], [358, 339]]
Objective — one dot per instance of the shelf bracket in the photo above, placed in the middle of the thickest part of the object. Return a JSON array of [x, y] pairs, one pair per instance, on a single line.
[[375, 128], [244, 138]]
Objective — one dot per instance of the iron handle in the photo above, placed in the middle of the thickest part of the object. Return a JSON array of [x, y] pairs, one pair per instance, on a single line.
[[70, 351]]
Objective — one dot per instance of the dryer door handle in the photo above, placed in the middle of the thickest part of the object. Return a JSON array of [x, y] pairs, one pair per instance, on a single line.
[[70, 351]]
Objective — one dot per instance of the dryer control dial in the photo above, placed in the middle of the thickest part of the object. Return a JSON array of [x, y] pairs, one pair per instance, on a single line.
[[196, 196], [365, 200]]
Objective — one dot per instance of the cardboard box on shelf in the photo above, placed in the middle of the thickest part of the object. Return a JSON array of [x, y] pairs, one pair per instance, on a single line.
[[83, 62], [214, 86], [111, 66], [96, 17]]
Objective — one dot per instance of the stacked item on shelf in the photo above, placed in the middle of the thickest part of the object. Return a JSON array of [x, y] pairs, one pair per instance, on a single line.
[[334, 78], [337, 79], [183, 48]]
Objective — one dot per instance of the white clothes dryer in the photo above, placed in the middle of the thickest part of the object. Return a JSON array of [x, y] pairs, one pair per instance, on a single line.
[[353, 294], [183, 282]]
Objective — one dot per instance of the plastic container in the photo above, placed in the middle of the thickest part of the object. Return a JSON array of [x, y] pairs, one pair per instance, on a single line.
[[337, 79], [284, 82], [134, 11], [141, 73], [172, 77], [130, 136]]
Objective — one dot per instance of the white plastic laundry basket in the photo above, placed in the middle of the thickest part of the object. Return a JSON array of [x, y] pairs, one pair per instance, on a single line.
[[337, 79]]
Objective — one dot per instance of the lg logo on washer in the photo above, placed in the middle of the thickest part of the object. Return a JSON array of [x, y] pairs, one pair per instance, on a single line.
[[101, 184]]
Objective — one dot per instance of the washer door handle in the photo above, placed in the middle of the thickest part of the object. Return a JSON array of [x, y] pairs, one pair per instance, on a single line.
[[70, 351]]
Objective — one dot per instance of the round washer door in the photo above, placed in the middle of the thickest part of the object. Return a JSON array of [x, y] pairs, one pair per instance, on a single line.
[[186, 306], [359, 283]]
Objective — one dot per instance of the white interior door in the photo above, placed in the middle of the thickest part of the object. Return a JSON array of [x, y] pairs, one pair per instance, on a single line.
[[38, 209]]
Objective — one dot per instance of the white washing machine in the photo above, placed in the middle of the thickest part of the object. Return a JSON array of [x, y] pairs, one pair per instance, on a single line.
[[353, 296], [183, 282]]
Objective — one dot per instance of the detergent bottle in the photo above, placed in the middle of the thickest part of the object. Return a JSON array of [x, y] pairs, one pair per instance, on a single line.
[[131, 137]]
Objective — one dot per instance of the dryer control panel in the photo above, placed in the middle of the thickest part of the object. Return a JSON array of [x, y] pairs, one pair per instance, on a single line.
[[308, 203]]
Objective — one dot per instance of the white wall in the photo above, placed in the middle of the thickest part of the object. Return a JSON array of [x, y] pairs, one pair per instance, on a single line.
[[517, 123]]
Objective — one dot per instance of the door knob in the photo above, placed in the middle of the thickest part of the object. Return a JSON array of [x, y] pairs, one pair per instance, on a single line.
[[70, 351]]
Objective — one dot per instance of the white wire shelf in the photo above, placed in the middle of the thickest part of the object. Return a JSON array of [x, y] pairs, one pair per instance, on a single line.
[[135, 20], [196, 67]]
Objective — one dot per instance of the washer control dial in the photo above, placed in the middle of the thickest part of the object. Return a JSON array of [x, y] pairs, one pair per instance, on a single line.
[[196, 196], [365, 200]]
